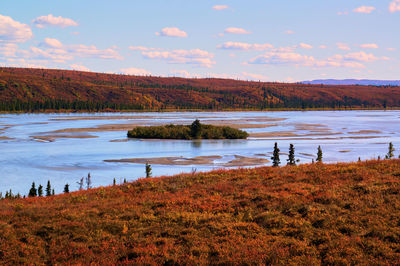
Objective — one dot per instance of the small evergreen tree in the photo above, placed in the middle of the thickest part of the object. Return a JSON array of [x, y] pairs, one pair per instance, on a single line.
[[275, 157], [80, 183], [33, 190], [319, 155], [53, 192], [125, 181], [390, 154], [291, 160], [88, 181], [114, 182], [148, 170], [195, 129], [66, 188], [48, 189], [40, 191]]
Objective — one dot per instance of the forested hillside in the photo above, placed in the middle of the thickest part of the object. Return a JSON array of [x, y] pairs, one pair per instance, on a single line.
[[26, 89]]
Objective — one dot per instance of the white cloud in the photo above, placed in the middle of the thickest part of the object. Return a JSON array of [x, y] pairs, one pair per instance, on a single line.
[[8, 49], [142, 48], [23, 63], [52, 43], [391, 49], [56, 55], [253, 76], [172, 32], [234, 30], [245, 46], [359, 56], [53, 49], [92, 51], [323, 46], [220, 76], [351, 60], [196, 57], [343, 46], [51, 20], [305, 46], [79, 68], [13, 31], [289, 32], [260, 47], [283, 58], [342, 13], [135, 71], [369, 46], [394, 6], [364, 9], [220, 7], [183, 74]]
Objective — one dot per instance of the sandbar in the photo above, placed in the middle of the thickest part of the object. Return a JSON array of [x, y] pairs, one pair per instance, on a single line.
[[199, 160]]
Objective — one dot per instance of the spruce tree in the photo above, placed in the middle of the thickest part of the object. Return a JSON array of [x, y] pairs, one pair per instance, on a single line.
[[48, 189], [114, 182], [88, 181], [196, 129], [40, 191], [53, 192], [80, 183], [319, 155], [390, 154], [33, 190], [148, 170], [291, 160], [66, 188], [275, 158]]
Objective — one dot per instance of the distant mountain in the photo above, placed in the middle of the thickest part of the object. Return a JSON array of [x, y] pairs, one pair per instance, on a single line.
[[353, 82]]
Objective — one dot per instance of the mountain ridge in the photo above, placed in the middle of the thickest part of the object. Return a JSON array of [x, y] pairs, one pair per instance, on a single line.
[[364, 82]]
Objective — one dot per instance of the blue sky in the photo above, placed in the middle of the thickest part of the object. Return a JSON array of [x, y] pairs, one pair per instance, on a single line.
[[266, 40]]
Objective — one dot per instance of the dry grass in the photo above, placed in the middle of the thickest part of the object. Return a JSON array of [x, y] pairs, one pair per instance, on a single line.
[[310, 214]]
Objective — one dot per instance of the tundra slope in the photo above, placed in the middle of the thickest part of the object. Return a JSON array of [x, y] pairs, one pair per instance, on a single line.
[[308, 214]]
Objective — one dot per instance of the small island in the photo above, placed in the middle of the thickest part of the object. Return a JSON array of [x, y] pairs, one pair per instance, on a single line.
[[194, 131]]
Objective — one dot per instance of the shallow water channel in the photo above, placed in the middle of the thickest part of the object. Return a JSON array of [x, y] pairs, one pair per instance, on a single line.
[[63, 148]]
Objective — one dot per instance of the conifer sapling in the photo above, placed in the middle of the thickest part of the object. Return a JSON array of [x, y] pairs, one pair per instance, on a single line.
[[275, 157]]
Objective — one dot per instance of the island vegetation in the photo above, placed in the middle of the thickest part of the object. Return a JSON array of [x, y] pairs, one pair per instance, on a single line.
[[311, 214], [196, 130]]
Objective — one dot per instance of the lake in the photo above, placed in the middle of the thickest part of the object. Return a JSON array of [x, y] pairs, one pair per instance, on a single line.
[[63, 147]]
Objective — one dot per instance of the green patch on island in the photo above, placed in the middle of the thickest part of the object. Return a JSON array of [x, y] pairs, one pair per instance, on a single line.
[[194, 131]]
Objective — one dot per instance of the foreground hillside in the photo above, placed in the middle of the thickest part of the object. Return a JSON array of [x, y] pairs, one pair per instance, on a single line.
[[26, 89], [309, 214]]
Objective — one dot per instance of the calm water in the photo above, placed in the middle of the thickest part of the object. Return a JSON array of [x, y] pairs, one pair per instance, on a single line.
[[35, 153]]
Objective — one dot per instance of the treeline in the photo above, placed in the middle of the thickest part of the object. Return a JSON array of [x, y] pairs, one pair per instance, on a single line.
[[49, 104], [194, 131]]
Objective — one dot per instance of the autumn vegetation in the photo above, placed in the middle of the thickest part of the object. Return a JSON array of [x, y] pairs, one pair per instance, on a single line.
[[196, 130], [34, 90], [339, 214]]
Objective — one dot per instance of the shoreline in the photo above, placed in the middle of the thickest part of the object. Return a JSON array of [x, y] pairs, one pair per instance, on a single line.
[[201, 110]]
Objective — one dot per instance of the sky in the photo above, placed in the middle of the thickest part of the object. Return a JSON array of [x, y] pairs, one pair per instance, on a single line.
[[265, 40]]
